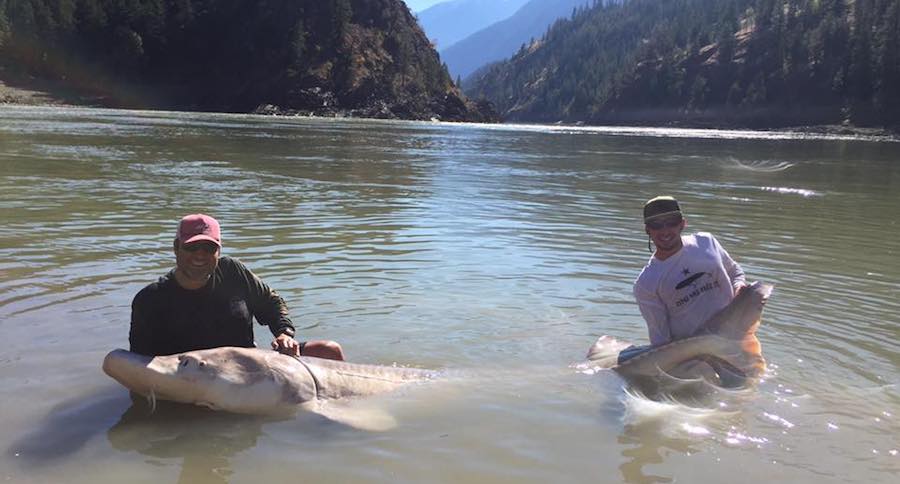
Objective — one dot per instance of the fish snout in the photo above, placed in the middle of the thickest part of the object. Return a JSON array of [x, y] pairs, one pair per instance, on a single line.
[[118, 361]]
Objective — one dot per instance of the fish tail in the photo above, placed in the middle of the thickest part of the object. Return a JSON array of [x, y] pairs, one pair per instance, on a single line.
[[753, 349]]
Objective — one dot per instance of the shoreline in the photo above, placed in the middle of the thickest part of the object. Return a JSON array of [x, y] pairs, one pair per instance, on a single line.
[[27, 97], [43, 93], [38, 92]]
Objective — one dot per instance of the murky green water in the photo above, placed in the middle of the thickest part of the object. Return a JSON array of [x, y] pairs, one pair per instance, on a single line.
[[496, 253]]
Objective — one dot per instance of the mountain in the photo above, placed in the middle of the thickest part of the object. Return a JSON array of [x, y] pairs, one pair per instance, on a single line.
[[355, 57], [502, 39], [419, 5], [447, 23], [745, 63]]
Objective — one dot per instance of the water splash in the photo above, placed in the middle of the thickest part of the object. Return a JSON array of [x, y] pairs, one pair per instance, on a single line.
[[803, 192], [762, 166], [736, 438], [779, 420], [689, 406]]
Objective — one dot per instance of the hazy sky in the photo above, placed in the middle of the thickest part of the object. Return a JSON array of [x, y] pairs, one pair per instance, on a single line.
[[419, 5]]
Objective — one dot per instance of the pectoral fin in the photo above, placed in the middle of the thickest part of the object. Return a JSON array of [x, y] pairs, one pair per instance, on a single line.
[[362, 417]]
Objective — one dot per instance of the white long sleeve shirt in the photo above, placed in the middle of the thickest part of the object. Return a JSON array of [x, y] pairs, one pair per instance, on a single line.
[[677, 295]]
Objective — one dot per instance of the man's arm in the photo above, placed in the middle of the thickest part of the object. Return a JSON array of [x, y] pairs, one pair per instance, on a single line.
[[269, 308], [655, 314], [264, 303], [732, 268], [140, 335]]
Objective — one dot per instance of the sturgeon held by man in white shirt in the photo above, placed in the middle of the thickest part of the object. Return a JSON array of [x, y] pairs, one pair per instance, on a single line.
[[726, 344], [256, 381]]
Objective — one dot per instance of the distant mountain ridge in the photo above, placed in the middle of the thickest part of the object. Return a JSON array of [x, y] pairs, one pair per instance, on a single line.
[[339, 57], [449, 22], [419, 5], [502, 39], [743, 63]]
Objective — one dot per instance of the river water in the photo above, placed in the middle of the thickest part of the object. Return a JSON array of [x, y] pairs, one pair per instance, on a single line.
[[495, 254]]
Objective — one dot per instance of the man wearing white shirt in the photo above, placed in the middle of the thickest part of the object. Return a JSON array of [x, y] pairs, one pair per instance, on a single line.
[[688, 279]]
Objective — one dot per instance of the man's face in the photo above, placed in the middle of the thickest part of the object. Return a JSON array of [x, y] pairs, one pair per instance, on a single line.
[[196, 261], [666, 232]]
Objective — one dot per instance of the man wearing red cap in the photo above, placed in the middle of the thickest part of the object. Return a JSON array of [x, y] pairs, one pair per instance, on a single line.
[[688, 279], [208, 301]]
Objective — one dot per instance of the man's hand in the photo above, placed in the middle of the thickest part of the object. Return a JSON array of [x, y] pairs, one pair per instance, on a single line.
[[285, 344], [740, 288]]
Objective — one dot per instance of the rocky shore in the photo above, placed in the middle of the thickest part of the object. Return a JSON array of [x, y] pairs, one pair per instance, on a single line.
[[323, 103], [30, 91], [29, 96], [36, 92]]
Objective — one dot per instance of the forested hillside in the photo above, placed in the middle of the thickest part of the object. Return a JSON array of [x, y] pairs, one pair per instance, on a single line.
[[360, 57], [757, 63]]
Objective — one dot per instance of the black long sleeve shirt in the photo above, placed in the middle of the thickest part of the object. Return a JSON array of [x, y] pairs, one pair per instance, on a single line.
[[168, 319]]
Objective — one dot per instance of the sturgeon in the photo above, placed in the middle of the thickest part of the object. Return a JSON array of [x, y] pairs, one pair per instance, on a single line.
[[252, 380], [726, 344]]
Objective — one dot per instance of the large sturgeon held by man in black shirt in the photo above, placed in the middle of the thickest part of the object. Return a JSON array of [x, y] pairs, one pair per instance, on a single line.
[[253, 380], [725, 351]]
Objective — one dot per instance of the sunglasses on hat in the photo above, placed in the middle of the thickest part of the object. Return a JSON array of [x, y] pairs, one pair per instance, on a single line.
[[661, 224], [209, 247]]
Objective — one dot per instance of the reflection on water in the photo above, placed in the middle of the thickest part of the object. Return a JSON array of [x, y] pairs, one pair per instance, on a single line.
[[64, 431], [204, 441], [483, 249]]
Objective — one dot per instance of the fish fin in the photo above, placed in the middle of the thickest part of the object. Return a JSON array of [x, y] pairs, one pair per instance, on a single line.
[[360, 417], [694, 369]]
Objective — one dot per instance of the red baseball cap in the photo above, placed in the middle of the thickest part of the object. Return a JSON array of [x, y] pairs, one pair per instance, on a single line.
[[198, 227]]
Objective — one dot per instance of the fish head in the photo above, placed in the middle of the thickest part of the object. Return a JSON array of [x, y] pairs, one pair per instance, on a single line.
[[605, 352], [239, 380]]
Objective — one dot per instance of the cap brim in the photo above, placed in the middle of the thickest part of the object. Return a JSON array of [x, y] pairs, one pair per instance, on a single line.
[[201, 237], [661, 215]]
